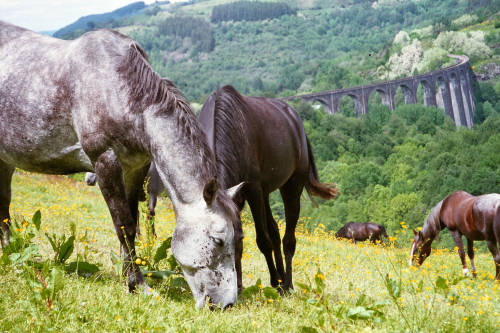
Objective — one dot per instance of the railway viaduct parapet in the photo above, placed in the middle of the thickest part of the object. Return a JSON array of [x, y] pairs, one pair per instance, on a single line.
[[449, 88]]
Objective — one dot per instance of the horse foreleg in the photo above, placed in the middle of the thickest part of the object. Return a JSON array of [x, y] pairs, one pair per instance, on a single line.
[[6, 172], [457, 237], [492, 246], [110, 179], [256, 202], [290, 192], [470, 253], [274, 234]]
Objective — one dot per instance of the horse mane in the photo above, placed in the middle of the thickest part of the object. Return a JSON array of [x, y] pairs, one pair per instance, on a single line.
[[145, 88], [432, 226], [229, 129]]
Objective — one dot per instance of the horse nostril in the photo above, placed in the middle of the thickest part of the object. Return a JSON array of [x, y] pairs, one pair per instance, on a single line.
[[230, 305]]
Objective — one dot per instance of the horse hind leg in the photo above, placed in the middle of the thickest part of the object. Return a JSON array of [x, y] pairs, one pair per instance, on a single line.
[[274, 234], [255, 200], [290, 192], [470, 253], [6, 172]]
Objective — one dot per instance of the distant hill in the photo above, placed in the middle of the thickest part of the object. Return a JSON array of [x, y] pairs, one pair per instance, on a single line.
[[91, 21]]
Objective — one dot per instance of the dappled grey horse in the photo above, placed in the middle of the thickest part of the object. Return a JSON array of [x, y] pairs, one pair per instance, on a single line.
[[95, 104]]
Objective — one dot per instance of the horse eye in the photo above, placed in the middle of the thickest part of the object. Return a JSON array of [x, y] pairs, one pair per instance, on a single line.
[[218, 241]]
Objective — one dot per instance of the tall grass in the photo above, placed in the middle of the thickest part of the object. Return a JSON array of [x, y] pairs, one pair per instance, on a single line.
[[338, 285]]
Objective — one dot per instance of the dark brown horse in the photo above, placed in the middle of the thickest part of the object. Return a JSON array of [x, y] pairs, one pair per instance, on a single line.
[[359, 231], [262, 142], [476, 218]]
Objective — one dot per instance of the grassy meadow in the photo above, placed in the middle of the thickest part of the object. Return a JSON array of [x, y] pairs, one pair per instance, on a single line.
[[338, 285]]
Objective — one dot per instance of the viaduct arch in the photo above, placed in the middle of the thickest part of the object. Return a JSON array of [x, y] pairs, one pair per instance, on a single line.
[[454, 93]]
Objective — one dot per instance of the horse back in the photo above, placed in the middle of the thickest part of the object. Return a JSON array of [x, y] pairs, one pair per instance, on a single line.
[[460, 212], [54, 92], [484, 211], [261, 139], [279, 137]]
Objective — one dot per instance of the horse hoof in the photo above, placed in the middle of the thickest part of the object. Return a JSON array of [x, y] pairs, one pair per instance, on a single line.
[[465, 271]]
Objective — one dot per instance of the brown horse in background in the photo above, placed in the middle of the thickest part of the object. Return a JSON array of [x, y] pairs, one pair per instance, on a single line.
[[475, 217], [262, 142], [359, 231]]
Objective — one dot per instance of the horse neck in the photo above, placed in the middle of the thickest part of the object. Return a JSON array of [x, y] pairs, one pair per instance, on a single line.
[[181, 154], [231, 144], [430, 230]]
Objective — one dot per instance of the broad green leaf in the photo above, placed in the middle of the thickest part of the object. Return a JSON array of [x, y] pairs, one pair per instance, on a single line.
[[360, 312], [82, 268], [37, 219], [161, 253], [441, 283], [303, 286], [56, 282], [250, 291], [66, 249], [270, 292]]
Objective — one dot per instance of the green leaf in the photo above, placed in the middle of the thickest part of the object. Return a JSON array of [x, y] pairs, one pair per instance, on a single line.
[[66, 249], [393, 287], [56, 282], [307, 329], [250, 291], [360, 312], [361, 300], [161, 253], [441, 283], [52, 241], [37, 219], [82, 268], [303, 286], [270, 292]]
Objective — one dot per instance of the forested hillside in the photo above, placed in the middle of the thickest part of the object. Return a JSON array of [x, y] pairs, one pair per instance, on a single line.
[[390, 167]]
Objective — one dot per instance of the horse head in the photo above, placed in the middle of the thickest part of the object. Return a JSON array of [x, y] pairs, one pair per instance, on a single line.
[[205, 251], [421, 248]]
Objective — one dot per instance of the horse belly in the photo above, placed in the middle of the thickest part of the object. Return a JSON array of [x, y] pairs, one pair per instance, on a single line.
[[36, 123], [36, 139]]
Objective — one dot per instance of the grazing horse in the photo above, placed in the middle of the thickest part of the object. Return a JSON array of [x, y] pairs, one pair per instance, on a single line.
[[359, 231], [475, 217], [95, 104], [261, 141]]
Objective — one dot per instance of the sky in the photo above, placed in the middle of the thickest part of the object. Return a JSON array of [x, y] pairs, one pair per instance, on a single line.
[[46, 15]]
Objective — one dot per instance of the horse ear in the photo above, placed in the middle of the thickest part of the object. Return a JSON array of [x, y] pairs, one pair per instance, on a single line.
[[415, 232], [234, 192], [210, 190]]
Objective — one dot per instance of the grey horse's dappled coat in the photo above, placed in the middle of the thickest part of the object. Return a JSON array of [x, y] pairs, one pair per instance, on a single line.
[[95, 104]]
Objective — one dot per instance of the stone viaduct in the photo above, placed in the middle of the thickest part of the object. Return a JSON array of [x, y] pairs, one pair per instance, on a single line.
[[449, 88]]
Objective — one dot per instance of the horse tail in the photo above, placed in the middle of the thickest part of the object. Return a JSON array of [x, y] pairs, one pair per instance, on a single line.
[[313, 185]]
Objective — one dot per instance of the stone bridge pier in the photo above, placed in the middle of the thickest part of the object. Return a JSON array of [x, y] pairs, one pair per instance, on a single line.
[[449, 88]]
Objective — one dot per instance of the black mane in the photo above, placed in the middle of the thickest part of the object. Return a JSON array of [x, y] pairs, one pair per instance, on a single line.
[[229, 132]]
